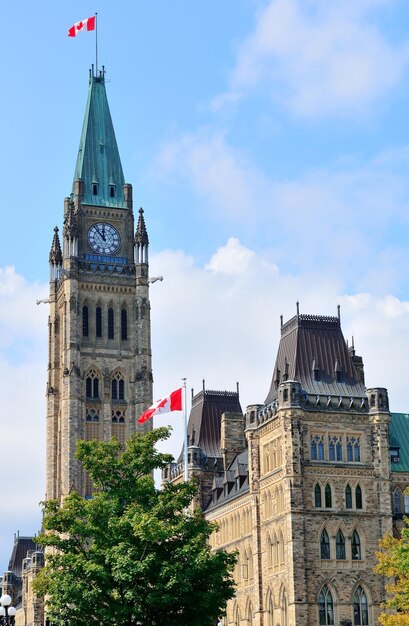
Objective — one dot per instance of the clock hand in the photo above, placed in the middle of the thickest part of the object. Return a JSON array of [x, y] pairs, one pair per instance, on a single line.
[[103, 232]]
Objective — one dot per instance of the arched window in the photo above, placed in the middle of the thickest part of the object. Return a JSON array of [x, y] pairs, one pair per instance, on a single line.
[[317, 496], [325, 546], [328, 497], [358, 497], [236, 616], [250, 615], [98, 322], [340, 545], [397, 502], [360, 608], [281, 548], [124, 325], [270, 611], [348, 497], [92, 385], [326, 607], [284, 609], [118, 387], [111, 331], [85, 325], [356, 547]]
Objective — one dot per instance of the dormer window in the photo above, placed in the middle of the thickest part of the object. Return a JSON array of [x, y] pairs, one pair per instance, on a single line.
[[394, 454], [316, 372], [112, 191], [94, 189]]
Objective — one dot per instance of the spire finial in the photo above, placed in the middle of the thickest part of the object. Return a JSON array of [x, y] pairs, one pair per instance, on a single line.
[[298, 308], [339, 311]]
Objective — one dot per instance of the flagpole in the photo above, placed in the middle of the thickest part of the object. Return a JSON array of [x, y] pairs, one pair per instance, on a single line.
[[185, 426], [96, 43]]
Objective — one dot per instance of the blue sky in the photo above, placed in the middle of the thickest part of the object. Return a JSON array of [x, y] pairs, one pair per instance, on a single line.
[[267, 141]]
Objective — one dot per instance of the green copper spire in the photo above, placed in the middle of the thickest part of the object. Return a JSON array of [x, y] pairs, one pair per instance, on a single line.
[[98, 163]]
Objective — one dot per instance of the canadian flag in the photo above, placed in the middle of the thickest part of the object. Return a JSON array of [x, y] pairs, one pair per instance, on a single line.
[[172, 402], [87, 24]]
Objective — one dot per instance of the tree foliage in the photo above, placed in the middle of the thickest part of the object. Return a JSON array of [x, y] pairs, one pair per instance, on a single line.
[[132, 554], [393, 562]]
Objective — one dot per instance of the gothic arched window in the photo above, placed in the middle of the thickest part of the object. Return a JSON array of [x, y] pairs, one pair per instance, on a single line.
[[326, 607], [328, 496], [358, 497], [356, 547], [118, 387], [92, 385], [325, 546], [85, 324], [348, 497], [124, 325], [111, 331], [317, 496], [397, 502], [360, 608], [98, 322], [340, 545]]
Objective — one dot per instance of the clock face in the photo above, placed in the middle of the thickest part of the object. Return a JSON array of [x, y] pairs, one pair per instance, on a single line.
[[104, 238]]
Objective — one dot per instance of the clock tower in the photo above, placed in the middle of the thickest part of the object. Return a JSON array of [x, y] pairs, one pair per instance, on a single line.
[[99, 364]]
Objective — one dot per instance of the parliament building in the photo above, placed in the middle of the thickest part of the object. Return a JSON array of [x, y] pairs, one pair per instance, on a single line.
[[302, 486]]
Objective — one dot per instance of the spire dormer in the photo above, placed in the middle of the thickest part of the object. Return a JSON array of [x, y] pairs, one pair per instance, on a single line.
[[141, 241], [55, 258]]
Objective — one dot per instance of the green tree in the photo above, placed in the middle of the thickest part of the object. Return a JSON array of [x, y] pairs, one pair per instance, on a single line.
[[132, 554], [393, 562]]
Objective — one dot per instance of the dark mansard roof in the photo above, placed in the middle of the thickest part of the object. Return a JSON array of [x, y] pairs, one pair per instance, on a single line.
[[313, 352], [21, 546], [205, 419]]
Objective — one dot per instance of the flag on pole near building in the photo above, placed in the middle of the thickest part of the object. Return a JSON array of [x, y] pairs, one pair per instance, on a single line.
[[87, 24], [172, 402]]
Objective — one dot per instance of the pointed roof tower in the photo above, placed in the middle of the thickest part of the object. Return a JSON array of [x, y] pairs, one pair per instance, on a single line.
[[98, 162], [55, 257], [141, 234]]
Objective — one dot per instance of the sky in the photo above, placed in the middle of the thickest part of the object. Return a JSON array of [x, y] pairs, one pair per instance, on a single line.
[[268, 143]]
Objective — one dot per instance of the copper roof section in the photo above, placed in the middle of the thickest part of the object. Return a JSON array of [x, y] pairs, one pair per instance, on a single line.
[[205, 419], [313, 352]]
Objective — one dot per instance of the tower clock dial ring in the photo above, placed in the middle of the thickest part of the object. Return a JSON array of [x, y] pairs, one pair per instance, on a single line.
[[104, 238]]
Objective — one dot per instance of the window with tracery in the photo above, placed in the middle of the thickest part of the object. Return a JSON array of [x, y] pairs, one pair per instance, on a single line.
[[317, 448], [335, 448], [92, 415], [361, 614], [326, 607], [92, 385], [118, 387], [397, 502], [353, 449]]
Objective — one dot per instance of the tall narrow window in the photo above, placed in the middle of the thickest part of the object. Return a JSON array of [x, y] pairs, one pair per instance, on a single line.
[[317, 496], [110, 323], [111, 191], [331, 448], [358, 497], [124, 325], [321, 450], [85, 326], [92, 386], [348, 497], [356, 547], [360, 608], [98, 322], [118, 387], [340, 545], [94, 189], [326, 607], [328, 497], [339, 450], [325, 546], [397, 502]]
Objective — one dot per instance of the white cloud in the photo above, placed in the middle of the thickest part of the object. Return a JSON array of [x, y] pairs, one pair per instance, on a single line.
[[320, 220], [318, 57], [23, 367]]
